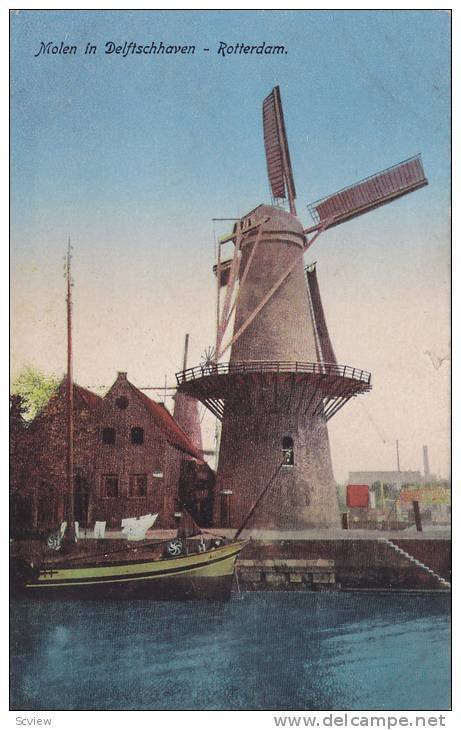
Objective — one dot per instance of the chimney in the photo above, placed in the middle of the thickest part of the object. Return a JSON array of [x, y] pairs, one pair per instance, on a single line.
[[186, 348], [121, 375], [186, 410], [426, 464]]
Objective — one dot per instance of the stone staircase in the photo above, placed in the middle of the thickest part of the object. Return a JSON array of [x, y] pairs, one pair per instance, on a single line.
[[443, 583]]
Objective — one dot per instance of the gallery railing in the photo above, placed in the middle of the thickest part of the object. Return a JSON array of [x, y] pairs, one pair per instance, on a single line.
[[267, 366]]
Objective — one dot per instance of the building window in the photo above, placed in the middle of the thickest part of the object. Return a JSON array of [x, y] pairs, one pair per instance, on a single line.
[[225, 508], [122, 402], [108, 436], [137, 435], [109, 486], [287, 451], [138, 485]]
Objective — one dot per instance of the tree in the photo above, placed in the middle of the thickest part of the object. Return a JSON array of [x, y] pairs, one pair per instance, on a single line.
[[35, 390], [17, 409]]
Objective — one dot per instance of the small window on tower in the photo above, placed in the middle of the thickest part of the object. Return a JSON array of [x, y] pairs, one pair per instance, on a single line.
[[287, 451], [137, 435], [108, 435]]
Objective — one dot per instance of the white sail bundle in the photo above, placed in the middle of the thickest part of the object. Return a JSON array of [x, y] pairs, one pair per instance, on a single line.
[[135, 528], [99, 529]]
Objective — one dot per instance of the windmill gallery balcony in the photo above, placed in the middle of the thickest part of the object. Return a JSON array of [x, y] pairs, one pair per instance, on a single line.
[[309, 388]]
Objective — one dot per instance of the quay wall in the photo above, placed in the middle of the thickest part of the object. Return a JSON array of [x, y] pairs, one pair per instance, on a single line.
[[357, 564]]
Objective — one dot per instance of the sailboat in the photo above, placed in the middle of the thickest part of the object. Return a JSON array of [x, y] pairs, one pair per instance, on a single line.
[[180, 568], [197, 565]]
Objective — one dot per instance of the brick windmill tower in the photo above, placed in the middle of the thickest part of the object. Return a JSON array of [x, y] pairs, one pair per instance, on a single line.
[[281, 383]]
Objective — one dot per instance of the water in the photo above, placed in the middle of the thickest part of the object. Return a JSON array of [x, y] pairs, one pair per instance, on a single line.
[[279, 651]]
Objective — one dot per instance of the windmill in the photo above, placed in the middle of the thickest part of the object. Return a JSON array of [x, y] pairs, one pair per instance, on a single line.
[[282, 383]]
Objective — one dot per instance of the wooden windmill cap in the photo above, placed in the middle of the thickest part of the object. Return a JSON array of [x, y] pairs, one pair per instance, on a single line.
[[277, 224]]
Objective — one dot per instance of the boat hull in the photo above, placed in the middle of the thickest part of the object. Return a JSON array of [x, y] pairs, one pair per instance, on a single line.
[[206, 576]]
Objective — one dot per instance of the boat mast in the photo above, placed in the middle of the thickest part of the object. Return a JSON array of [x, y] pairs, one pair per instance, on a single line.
[[70, 396], [261, 495]]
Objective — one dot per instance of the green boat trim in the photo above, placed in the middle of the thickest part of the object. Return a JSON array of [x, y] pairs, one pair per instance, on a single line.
[[216, 563]]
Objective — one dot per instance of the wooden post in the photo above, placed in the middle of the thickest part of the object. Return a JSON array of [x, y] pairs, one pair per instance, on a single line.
[[245, 273], [218, 298], [233, 273], [383, 503], [419, 524]]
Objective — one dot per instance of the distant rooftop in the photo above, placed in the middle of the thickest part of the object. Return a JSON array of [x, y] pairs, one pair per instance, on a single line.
[[389, 477]]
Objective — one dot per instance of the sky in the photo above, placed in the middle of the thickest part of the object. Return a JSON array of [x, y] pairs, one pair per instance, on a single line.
[[133, 157]]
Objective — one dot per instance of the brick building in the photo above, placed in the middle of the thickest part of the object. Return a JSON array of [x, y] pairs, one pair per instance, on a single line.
[[130, 458]]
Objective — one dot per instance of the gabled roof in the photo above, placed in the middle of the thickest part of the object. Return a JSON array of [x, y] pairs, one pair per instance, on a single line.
[[91, 399], [165, 421]]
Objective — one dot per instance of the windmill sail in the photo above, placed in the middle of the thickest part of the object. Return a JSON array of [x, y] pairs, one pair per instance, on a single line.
[[370, 193], [325, 352], [277, 153]]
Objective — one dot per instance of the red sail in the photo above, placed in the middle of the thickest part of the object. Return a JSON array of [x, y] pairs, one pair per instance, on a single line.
[[374, 191], [276, 145]]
